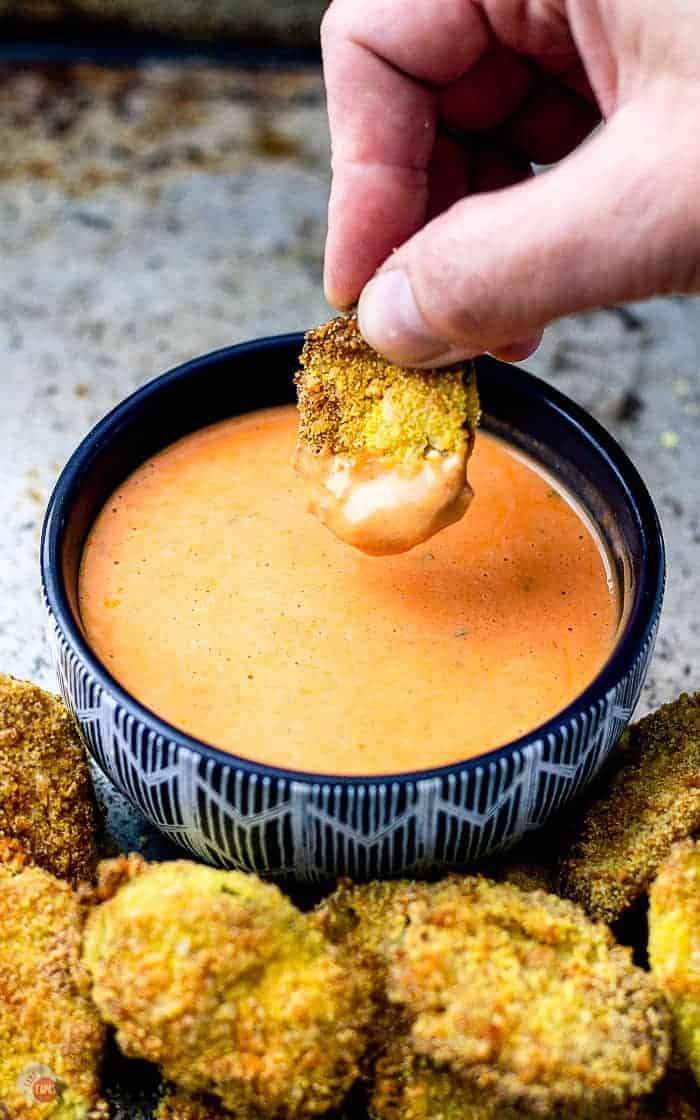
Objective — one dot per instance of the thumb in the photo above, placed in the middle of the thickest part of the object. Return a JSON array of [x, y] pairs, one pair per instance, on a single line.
[[615, 221]]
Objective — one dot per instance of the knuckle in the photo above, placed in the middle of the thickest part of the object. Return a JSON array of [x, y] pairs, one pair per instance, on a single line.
[[529, 25]]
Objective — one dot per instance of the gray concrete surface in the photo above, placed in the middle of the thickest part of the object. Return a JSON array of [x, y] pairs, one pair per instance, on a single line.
[[148, 216]]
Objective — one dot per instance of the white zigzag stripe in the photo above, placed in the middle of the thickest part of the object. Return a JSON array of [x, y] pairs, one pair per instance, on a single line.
[[226, 815]]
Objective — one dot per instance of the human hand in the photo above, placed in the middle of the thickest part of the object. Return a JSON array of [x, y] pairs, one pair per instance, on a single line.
[[438, 107]]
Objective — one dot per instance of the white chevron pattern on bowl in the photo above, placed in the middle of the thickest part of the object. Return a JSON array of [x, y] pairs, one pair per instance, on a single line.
[[312, 830]]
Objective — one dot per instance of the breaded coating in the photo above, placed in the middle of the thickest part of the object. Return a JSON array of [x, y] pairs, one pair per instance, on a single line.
[[110, 875], [383, 450], [354, 402], [367, 920], [674, 944], [221, 981], [408, 1087], [46, 797], [526, 999], [51, 1037], [365, 917], [413, 1079], [647, 801]]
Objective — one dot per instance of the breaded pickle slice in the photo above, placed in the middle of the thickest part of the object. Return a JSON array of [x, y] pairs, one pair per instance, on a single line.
[[384, 450], [46, 798], [409, 1087], [478, 987], [51, 1037], [221, 981], [674, 944], [648, 799], [523, 998], [367, 920], [352, 401], [367, 917]]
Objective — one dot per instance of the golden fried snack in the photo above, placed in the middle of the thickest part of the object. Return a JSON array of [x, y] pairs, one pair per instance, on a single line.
[[51, 1038], [525, 999], [383, 450], [46, 799], [366, 917], [374, 921], [367, 920], [408, 1087], [217, 978], [674, 944], [647, 801]]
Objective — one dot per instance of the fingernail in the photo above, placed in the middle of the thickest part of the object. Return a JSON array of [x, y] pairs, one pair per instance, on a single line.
[[390, 321]]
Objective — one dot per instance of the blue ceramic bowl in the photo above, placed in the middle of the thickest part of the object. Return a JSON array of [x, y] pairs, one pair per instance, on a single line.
[[238, 813]]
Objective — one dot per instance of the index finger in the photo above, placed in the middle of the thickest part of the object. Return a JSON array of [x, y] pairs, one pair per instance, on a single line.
[[383, 62]]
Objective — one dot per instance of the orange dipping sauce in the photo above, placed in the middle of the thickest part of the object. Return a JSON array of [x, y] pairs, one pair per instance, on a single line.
[[216, 600]]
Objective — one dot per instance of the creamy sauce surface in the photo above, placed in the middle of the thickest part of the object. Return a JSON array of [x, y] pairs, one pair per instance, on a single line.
[[219, 602]]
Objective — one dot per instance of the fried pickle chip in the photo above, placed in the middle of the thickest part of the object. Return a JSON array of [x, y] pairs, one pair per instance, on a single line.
[[367, 919], [409, 1087], [509, 1067], [46, 798], [353, 401], [674, 944], [647, 800], [217, 978], [525, 999], [51, 1037], [383, 450]]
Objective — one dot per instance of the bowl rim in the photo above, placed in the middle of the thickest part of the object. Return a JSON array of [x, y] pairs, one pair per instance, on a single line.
[[633, 638]]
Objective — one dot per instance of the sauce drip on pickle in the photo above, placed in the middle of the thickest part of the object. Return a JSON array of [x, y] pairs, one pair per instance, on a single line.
[[384, 509]]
